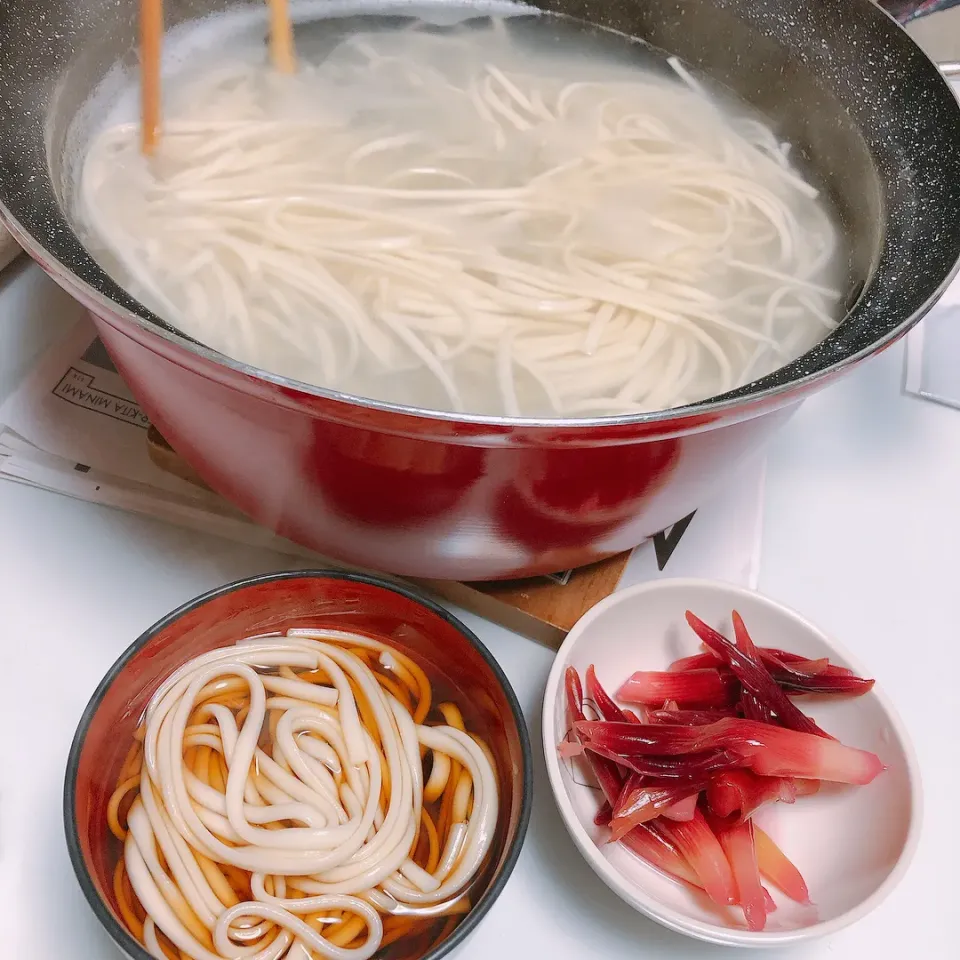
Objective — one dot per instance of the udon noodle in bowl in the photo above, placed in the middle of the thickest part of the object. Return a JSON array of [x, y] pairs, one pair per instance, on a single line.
[[462, 210], [298, 767]]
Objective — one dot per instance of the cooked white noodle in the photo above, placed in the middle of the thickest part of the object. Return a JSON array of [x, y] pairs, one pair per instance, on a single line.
[[452, 222], [314, 815]]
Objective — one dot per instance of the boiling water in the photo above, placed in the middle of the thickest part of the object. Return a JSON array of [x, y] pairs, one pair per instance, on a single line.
[[520, 216]]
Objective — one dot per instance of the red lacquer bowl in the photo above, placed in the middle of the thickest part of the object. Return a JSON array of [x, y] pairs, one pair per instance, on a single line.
[[275, 602]]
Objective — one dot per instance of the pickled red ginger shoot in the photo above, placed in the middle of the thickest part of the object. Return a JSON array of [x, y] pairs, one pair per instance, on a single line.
[[698, 843], [755, 678], [718, 740], [769, 751], [739, 846], [688, 689], [778, 869]]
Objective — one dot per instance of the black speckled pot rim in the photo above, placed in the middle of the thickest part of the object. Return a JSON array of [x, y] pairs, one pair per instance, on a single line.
[[117, 931]]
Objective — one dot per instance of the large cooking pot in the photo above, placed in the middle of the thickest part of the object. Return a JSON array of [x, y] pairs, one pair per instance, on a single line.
[[442, 495]]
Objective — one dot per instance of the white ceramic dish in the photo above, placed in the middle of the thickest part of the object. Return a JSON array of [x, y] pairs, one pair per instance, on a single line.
[[852, 844]]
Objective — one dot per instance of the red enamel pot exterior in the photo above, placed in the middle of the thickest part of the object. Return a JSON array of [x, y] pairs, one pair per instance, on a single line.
[[427, 497]]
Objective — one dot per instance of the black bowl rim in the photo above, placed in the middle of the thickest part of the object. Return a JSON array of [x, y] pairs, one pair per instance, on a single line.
[[118, 932]]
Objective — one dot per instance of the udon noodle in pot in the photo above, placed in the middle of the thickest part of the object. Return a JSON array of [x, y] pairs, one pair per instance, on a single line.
[[300, 797], [466, 219]]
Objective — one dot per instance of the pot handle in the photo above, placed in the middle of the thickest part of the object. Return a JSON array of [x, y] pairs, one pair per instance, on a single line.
[[907, 10]]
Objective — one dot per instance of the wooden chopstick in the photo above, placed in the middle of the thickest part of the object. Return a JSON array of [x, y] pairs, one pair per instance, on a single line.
[[281, 37], [151, 38]]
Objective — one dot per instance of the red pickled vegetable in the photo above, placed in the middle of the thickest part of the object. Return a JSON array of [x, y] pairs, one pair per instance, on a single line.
[[691, 688], [739, 793], [698, 843], [689, 767], [809, 668], [798, 675], [574, 692], [631, 786], [571, 748], [642, 800], [741, 635], [692, 718], [698, 661], [770, 655], [784, 656], [827, 683], [755, 678], [721, 725], [601, 699], [769, 751], [683, 810], [775, 866], [738, 844], [658, 851], [605, 770], [801, 664], [752, 709], [836, 670], [752, 706]]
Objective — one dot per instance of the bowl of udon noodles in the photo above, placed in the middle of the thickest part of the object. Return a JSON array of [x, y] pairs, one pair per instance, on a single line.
[[474, 289], [298, 766]]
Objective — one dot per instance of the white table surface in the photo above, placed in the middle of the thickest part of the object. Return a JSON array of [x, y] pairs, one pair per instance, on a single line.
[[861, 534]]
